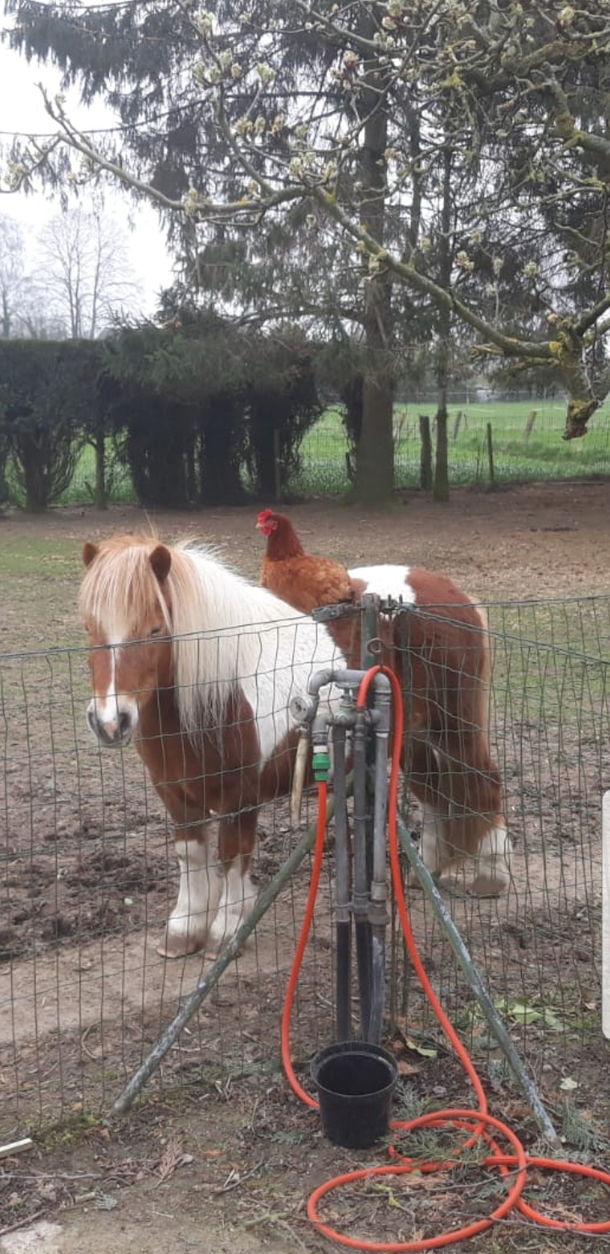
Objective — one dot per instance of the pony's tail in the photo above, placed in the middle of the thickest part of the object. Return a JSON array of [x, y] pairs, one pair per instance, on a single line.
[[470, 779], [455, 776]]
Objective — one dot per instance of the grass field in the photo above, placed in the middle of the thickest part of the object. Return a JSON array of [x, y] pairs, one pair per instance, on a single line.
[[517, 458]]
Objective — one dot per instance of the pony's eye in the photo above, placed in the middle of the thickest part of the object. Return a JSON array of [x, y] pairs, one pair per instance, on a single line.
[[156, 631]]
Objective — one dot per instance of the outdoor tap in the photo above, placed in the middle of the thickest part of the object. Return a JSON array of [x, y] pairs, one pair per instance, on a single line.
[[303, 708], [320, 754], [383, 703], [346, 714]]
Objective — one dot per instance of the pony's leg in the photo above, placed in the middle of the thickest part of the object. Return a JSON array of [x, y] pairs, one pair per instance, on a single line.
[[423, 777], [442, 858], [198, 896], [470, 795], [493, 862], [433, 851], [236, 837]]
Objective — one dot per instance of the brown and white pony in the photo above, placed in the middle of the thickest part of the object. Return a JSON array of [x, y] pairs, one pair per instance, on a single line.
[[440, 649], [197, 666]]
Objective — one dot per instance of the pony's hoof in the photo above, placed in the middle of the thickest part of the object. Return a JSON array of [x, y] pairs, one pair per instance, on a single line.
[[489, 885], [180, 946], [450, 885]]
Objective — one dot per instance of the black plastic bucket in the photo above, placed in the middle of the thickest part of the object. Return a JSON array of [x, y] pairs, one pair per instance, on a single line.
[[355, 1082]]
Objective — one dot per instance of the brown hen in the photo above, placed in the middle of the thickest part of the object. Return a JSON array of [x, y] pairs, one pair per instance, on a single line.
[[299, 578]]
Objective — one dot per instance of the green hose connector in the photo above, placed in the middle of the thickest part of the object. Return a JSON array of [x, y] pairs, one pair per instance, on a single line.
[[320, 763]]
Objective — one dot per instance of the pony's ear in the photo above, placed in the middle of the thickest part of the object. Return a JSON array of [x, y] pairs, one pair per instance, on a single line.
[[89, 552], [161, 560]]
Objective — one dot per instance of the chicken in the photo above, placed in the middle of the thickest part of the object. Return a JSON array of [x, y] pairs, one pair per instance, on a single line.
[[302, 580]]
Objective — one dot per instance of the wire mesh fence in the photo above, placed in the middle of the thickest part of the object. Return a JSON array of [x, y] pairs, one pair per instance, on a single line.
[[526, 436], [539, 944], [88, 882]]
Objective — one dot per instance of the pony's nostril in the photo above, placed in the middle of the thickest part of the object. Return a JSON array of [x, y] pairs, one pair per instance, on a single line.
[[124, 722]]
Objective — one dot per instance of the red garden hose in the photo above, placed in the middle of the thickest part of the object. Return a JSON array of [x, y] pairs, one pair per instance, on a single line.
[[479, 1124]]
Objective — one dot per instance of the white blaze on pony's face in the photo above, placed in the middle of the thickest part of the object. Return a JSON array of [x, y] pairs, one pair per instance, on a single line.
[[130, 656]]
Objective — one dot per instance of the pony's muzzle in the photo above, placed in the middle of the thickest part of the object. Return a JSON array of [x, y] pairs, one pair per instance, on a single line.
[[114, 731]]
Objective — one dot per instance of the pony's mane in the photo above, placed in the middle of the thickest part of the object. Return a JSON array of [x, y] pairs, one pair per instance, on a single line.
[[217, 617]]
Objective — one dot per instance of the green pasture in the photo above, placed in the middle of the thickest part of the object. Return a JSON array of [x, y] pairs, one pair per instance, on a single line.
[[517, 457]]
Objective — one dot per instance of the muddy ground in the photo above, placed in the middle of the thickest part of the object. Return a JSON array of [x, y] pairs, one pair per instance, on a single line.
[[221, 1156]]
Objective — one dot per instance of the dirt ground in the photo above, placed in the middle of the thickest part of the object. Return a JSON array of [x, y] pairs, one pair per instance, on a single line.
[[227, 1163], [531, 540]]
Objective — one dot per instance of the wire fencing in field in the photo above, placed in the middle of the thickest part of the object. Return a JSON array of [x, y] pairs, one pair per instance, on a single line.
[[88, 880], [526, 438], [539, 945]]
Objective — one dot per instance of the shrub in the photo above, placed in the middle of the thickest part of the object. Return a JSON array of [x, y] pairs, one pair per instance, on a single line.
[[197, 401], [283, 405], [48, 390]]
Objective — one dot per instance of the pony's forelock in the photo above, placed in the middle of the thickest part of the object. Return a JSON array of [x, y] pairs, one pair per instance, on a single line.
[[119, 590]]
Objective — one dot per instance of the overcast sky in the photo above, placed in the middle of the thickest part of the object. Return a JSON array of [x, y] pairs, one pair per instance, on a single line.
[[22, 109]]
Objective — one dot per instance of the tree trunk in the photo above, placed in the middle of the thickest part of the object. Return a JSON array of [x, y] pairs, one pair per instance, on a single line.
[[440, 489], [33, 505], [6, 317], [190, 463], [220, 463], [374, 478], [99, 490], [425, 460], [34, 487]]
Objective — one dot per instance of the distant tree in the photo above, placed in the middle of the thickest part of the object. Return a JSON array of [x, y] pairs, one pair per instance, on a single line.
[[82, 263], [34, 321], [12, 274], [24, 300], [200, 406]]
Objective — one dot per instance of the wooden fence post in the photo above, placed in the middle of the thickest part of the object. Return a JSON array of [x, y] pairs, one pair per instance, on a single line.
[[490, 456], [425, 463], [529, 426]]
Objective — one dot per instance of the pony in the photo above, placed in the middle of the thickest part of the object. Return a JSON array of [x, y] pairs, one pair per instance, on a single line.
[[197, 667], [437, 641]]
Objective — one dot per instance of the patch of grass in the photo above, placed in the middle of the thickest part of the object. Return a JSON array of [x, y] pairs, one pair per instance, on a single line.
[[68, 1131], [542, 455], [32, 556], [80, 491]]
